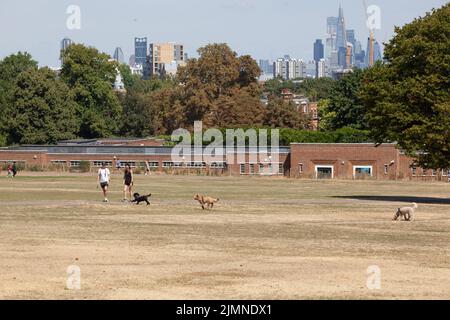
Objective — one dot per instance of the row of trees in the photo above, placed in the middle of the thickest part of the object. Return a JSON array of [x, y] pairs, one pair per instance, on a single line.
[[405, 99]]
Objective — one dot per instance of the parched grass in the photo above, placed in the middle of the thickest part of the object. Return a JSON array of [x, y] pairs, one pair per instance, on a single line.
[[268, 238]]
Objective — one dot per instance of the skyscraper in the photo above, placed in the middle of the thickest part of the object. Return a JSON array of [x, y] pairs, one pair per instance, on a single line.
[[332, 25], [265, 66], [118, 55], [351, 37], [321, 68], [341, 41], [140, 51], [377, 55], [65, 43], [318, 50], [318, 55]]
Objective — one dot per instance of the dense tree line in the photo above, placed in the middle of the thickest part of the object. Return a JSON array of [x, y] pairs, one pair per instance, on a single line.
[[405, 99]]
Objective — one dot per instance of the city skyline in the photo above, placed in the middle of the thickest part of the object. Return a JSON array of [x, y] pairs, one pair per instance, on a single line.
[[107, 28]]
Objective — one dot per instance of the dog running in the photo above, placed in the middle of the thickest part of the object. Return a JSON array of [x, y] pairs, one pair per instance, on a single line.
[[406, 212], [138, 198], [206, 201]]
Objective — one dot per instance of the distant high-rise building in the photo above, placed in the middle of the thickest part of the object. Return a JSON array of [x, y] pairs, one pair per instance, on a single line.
[[321, 68], [266, 67], [118, 55], [341, 40], [318, 50], [342, 57], [332, 26], [351, 37], [165, 58], [140, 51], [377, 55], [65, 43], [289, 69], [318, 55]]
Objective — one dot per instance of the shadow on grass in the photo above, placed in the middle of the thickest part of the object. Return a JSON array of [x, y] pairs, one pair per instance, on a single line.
[[407, 199]]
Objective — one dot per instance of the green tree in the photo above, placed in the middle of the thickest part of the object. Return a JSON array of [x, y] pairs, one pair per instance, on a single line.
[[325, 115], [316, 89], [90, 76], [10, 68], [43, 110], [408, 97], [346, 104]]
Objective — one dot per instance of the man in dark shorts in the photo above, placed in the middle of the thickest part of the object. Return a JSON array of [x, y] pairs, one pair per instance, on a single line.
[[103, 178]]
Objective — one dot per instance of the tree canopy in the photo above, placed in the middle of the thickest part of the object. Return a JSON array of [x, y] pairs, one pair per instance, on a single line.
[[407, 98], [43, 110], [90, 76]]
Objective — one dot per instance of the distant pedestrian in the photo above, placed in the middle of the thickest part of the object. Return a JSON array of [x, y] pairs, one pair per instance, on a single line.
[[10, 170], [448, 175], [128, 180], [118, 165], [14, 169], [103, 178]]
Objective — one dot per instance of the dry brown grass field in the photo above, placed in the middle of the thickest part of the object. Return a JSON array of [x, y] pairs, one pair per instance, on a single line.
[[268, 238]]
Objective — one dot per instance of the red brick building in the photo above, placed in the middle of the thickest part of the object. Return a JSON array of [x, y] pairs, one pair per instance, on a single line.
[[303, 161], [356, 161]]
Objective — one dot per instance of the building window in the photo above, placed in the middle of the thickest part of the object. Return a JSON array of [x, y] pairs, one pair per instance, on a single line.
[[217, 165], [75, 163], [300, 168], [362, 172], [386, 169], [59, 162], [433, 173], [98, 163], [281, 169], [242, 168], [252, 168], [123, 164], [153, 164], [325, 172], [414, 171], [196, 165], [169, 164]]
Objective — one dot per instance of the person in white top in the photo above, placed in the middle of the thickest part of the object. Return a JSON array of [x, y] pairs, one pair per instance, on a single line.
[[103, 179]]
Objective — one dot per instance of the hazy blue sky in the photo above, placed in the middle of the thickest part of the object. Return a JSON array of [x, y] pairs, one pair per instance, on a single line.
[[262, 28]]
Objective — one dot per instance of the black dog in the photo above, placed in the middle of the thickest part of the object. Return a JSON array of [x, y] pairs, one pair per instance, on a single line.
[[138, 198]]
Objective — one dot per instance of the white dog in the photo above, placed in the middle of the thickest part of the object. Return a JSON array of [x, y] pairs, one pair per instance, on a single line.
[[406, 212]]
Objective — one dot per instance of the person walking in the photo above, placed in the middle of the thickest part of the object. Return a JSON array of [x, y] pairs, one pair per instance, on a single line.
[[14, 170], [104, 176], [128, 181], [10, 170]]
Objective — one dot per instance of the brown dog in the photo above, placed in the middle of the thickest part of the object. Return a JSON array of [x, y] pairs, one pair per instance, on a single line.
[[208, 201]]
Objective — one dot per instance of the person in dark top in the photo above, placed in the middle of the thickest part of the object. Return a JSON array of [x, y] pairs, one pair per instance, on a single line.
[[14, 169], [128, 183]]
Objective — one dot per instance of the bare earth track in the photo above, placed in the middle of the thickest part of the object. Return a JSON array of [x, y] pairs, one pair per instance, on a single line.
[[267, 239]]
